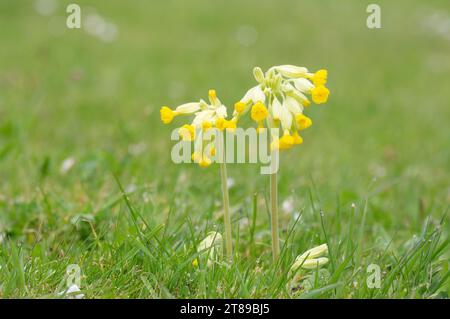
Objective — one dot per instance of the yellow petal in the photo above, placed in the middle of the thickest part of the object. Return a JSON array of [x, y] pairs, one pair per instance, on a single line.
[[259, 112], [320, 94], [303, 122], [166, 114]]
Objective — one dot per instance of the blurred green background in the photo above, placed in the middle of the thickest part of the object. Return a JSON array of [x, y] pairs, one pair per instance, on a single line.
[[65, 93], [92, 95]]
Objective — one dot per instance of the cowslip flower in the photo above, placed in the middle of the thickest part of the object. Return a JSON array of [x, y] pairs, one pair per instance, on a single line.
[[311, 259], [279, 101], [210, 248], [306, 272], [206, 116]]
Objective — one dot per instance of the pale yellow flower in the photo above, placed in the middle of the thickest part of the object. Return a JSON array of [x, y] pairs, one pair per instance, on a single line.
[[311, 259], [280, 98], [206, 116]]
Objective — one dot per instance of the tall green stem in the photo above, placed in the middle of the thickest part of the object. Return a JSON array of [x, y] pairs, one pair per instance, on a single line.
[[226, 211], [274, 216]]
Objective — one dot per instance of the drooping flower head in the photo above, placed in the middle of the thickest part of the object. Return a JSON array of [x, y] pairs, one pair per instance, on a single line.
[[210, 248], [280, 98], [206, 116], [310, 260]]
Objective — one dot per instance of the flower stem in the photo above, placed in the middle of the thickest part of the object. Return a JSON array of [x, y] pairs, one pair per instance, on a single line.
[[274, 216], [226, 212]]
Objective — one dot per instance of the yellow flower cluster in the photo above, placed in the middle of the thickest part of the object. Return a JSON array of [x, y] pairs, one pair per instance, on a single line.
[[206, 116], [279, 100]]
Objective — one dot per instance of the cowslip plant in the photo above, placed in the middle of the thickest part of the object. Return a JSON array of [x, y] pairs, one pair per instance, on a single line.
[[209, 249], [311, 259], [278, 102], [206, 116]]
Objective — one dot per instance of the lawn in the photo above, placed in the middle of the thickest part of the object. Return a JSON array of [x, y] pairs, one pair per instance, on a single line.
[[79, 122]]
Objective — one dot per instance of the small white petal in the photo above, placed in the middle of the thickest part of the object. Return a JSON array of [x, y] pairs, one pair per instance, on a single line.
[[254, 95], [293, 105], [276, 109], [299, 96], [291, 71], [285, 118], [203, 116], [303, 85], [221, 111], [188, 108]]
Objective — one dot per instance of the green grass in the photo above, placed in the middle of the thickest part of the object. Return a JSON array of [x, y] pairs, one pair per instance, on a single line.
[[381, 142]]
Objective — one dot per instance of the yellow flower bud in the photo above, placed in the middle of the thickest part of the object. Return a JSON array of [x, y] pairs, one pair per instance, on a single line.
[[212, 96], [258, 74]]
